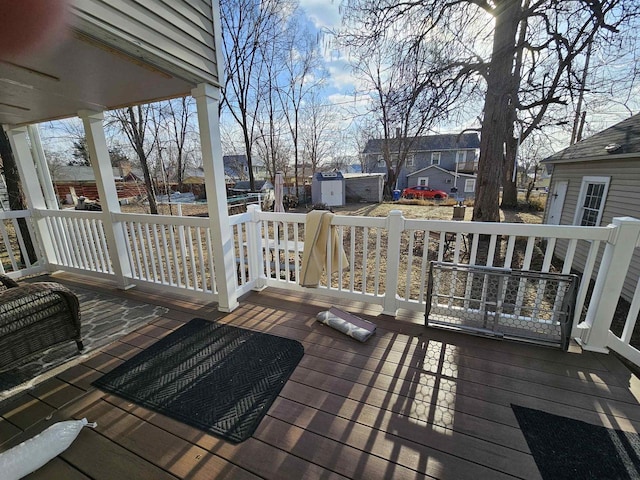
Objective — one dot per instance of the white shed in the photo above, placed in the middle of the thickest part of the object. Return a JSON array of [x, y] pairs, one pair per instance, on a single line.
[[328, 188]]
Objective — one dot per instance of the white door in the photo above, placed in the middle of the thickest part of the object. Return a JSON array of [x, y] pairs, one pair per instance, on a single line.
[[556, 202], [331, 193]]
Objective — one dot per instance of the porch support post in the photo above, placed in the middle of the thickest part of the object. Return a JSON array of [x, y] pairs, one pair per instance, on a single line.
[[207, 100], [395, 227], [44, 175], [32, 190], [101, 164], [606, 291]]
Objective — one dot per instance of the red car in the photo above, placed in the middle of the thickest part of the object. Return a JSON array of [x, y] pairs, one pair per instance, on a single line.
[[420, 191]]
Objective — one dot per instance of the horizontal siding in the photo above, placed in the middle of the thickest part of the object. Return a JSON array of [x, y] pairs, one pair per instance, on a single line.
[[623, 200], [178, 34]]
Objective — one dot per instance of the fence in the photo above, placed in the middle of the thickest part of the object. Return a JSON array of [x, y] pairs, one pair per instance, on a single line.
[[388, 258]]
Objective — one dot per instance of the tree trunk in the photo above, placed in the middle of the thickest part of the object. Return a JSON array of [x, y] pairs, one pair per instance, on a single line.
[[14, 190], [153, 206], [496, 113], [509, 186]]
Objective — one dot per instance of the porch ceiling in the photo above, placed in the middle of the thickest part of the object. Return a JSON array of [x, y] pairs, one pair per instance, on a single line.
[[79, 73]]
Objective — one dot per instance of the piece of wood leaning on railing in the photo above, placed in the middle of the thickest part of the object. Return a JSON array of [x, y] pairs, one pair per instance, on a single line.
[[34, 317]]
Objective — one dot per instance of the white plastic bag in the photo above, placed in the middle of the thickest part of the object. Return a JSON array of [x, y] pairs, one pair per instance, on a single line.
[[32, 454]]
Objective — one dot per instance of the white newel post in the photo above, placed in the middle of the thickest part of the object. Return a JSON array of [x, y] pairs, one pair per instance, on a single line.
[[32, 190], [207, 100], [395, 227], [255, 252], [101, 164], [606, 291]]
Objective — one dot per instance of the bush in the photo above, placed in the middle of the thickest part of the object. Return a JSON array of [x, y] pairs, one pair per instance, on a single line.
[[536, 204]]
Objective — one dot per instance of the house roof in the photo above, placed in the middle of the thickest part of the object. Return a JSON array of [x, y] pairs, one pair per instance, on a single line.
[[78, 173], [451, 141], [422, 170], [362, 175], [84, 173], [622, 140], [260, 185]]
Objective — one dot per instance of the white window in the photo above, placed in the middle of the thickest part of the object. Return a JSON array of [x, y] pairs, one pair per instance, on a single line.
[[423, 181], [435, 158], [461, 156], [410, 160], [381, 161], [469, 185], [591, 200]]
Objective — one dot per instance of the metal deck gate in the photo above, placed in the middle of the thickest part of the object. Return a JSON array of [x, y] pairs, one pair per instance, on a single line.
[[517, 304]]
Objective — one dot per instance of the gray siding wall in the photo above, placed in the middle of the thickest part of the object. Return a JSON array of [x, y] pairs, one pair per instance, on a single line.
[[367, 189], [623, 200], [437, 179], [175, 35]]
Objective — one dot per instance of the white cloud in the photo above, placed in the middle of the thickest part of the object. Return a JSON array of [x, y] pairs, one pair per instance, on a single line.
[[322, 13]]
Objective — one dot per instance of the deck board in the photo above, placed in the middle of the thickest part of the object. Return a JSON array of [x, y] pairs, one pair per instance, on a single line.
[[412, 402]]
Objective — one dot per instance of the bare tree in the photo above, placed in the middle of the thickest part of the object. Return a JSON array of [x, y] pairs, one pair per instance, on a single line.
[[410, 90], [302, 78], [176, 117], [270, 144], [142, 132], [317, 122], [246, 25]]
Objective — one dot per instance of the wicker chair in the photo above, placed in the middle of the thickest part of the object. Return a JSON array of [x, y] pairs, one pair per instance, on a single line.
[[34, 317]]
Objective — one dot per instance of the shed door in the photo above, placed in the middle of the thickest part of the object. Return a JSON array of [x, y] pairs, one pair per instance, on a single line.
[[331, 193], [557, 202]]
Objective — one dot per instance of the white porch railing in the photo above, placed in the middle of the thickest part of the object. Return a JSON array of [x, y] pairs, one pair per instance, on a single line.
[[388, 257], [170, 252]]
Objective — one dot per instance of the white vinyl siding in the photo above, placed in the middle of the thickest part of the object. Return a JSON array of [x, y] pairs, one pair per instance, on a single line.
[[622, 200], [167, 34]]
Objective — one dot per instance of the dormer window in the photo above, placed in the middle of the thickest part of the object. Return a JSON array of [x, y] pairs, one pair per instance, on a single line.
[[435, 158]]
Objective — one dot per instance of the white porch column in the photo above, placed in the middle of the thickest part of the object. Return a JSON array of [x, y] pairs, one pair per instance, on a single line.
[[606, 291], [43, 169], [207, 99], [101, 164], [31, 188]]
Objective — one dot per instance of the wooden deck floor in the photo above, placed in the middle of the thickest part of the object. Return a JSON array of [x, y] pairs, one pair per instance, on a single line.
[[411, 403]]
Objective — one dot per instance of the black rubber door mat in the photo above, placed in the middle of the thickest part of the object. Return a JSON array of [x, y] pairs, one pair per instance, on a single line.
[[564, 448], [218, 378]]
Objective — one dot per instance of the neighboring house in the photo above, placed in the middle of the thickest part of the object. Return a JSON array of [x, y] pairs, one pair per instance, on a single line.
[[450, 152], [596, 180], [236, 168], [460, 185]]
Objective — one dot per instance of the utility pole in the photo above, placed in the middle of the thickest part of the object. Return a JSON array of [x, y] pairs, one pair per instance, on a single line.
[[578, 121]]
